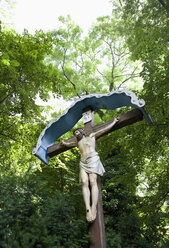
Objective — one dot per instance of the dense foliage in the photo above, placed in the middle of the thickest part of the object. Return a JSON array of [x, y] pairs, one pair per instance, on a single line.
[[41, 205]]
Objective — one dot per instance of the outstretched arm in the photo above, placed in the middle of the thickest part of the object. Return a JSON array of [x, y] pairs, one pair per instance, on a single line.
[[69, 143], [105, 129]]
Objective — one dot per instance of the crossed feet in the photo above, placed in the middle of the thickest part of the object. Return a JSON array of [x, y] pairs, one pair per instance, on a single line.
[[91, 214]]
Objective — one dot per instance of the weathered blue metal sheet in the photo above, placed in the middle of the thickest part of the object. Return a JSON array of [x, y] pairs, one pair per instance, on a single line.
[[71, 116]]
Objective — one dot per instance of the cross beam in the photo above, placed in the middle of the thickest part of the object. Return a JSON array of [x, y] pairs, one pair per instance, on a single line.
[[126, 119]]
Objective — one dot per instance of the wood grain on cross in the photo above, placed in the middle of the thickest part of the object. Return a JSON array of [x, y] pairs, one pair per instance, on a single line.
[[97, 229]]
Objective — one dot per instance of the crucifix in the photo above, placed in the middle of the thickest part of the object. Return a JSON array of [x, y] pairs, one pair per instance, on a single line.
[[91, 167]]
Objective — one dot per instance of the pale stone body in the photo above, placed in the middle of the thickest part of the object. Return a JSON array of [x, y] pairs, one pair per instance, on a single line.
[[87, 146]]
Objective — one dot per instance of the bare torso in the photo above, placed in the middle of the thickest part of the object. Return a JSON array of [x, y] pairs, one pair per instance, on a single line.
[[87, 145]]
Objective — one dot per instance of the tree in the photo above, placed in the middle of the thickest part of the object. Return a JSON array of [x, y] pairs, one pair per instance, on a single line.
[[115, 68], [135, 187], [147, 39], [29, 217], [7, 12], [99, 62], [23, 75]]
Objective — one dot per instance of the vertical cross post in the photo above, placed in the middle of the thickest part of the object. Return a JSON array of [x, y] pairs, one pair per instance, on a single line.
[[96, 229]]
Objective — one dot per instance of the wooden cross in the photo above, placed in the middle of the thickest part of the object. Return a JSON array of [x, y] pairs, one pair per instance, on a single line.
[[96, 228]]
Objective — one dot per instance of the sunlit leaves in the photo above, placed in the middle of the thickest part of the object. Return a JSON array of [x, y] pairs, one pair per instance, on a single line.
[[135, 186]]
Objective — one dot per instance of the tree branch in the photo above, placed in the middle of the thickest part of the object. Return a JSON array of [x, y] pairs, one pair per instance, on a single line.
[[132, 76], [6, 97], [66, 76], [113, 65], [165, 6], [135, 75], [125, 81], [103, 75], [8, 137], [112, 77], [120, 3], [162, 3]]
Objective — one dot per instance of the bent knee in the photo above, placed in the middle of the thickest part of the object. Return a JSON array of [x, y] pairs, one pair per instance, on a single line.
[[93, 180], [85, 182]]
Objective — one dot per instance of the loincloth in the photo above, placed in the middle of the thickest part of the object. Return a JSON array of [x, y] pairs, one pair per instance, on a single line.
[[92, 164]]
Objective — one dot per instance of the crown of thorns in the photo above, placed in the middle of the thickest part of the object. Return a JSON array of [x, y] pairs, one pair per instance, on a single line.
[[80, 130]]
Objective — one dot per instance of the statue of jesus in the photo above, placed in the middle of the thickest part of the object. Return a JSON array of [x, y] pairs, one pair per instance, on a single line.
[[90, 166]]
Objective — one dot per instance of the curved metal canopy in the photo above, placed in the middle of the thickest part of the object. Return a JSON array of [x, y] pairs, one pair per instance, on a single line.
[[71, 116]]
